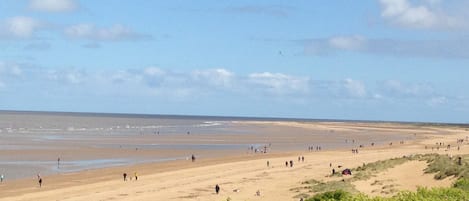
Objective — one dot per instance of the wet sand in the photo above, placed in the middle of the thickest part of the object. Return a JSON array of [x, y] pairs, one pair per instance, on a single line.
[[32, 143]]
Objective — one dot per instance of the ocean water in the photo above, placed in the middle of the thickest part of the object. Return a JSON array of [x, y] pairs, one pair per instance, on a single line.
[[32, 142]]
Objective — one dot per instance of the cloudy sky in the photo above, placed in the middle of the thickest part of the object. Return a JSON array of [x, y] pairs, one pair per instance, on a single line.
[[399, 60]]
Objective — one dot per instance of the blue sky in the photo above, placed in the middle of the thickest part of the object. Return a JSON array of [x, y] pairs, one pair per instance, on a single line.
[[399, 60]]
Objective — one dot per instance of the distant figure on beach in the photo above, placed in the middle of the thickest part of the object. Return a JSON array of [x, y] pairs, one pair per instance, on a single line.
[[40, 182], [333, 171], [286, 163], [217, 188], [135, 174], [302, 158], [291, 163], [258, 193], [58, 162], [268, 164], [125, 176], [299, 158], [1, 178], [193, 158]]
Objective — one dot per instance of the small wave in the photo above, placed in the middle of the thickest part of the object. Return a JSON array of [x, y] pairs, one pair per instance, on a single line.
[[209, 124]]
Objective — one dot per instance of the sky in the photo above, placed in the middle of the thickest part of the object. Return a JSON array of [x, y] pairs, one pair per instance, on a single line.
[[386, 60]]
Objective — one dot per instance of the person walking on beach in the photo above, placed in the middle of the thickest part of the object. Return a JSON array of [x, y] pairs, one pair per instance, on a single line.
[[125, 176], [40, 182], [291, 163], [286, 163], [1, 178], [58, 162], [193, 158], [217, 188], [135, 174]]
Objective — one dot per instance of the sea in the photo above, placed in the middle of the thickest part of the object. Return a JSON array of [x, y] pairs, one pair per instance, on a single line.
[[47, 143]]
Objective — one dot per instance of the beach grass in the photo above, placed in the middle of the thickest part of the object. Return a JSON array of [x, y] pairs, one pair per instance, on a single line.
[[422, 194], [445, 166], [442, 165]]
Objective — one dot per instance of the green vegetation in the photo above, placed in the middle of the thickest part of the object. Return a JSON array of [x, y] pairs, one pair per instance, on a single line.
[[334, 185], [371, 169], [443, 167], [422, 194], [462, 184]]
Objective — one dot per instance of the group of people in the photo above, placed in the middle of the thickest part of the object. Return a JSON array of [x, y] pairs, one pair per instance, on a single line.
[[301, 158], [263, 149], [312, 148], [287, 163], [135, 176], [448, 146]]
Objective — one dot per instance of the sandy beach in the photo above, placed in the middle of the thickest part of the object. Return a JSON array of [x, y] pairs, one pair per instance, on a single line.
[[241, 174]]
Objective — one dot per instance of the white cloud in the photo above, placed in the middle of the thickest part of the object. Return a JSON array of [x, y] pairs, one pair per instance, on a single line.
[[448, 48], [123, 76], [153, 71], [397, 88], [10, 69], [67, 76], [19, 27], [215, 77], [437, 101], [53, 5], [355, 88], [116, 32], [279, 83], [347, 42], [403, 13]]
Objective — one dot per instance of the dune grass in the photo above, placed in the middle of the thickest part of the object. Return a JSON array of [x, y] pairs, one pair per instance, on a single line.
[[422, 194], [443, 166]]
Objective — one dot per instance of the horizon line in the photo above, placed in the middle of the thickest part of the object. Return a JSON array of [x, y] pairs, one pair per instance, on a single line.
[[265, 118]]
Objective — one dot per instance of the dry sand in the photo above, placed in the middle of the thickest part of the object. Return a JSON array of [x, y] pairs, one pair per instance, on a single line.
[[407, 176], [240, 176]]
